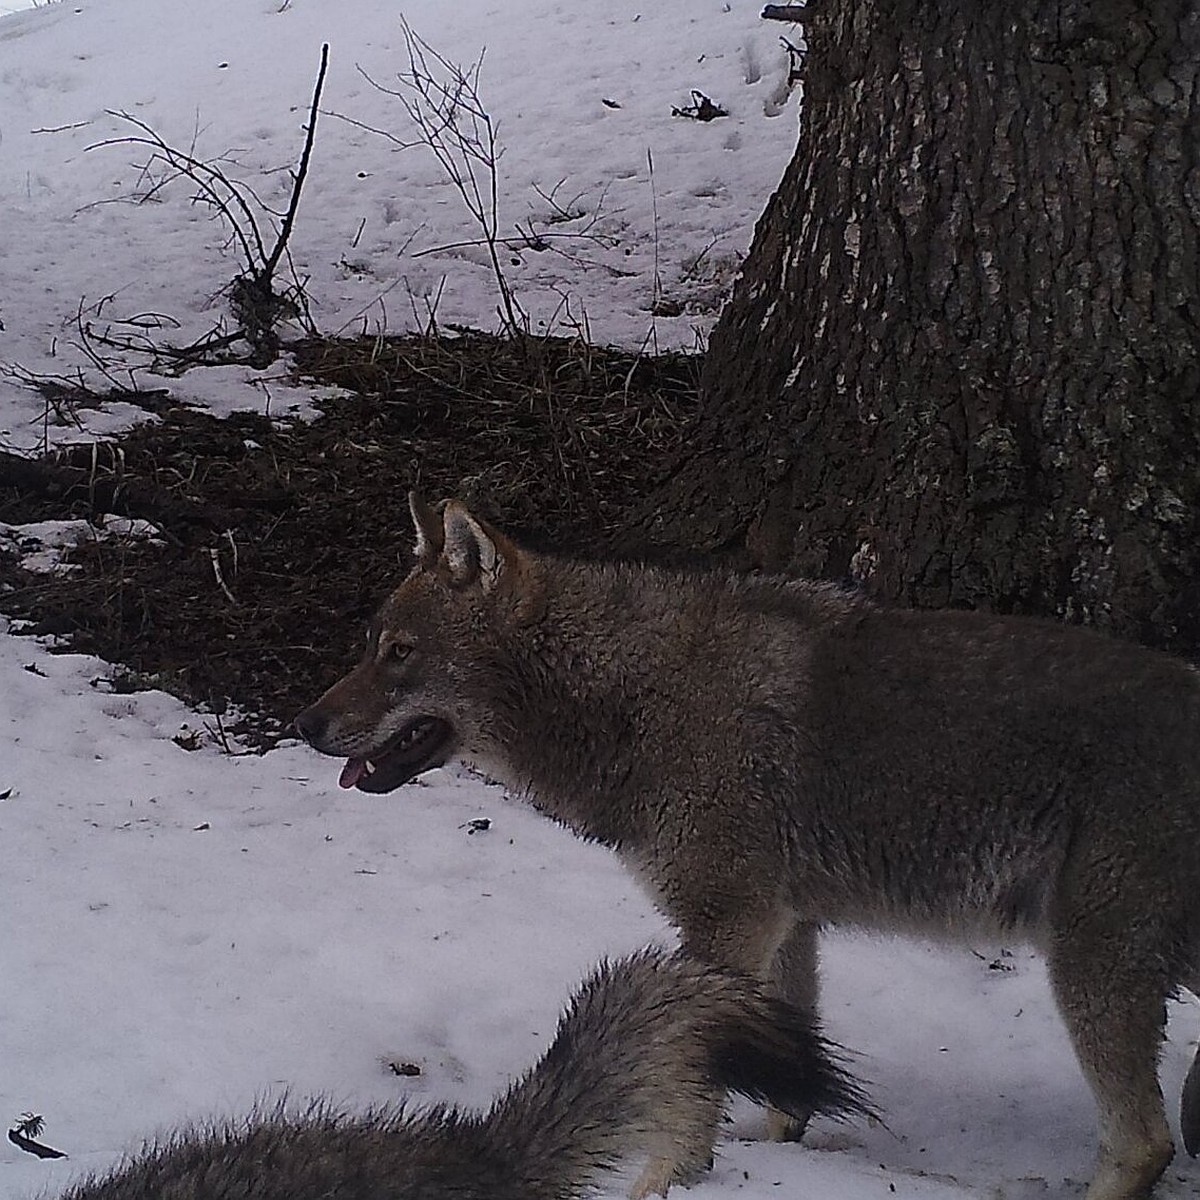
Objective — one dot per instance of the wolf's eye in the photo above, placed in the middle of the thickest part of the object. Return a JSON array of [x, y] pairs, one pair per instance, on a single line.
[[397, 652]]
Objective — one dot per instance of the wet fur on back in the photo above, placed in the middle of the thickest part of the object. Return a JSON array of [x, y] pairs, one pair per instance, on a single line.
[[771, 756], [642, 1052]]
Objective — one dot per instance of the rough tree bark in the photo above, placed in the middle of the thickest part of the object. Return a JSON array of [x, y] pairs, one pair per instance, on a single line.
[[962, 361]]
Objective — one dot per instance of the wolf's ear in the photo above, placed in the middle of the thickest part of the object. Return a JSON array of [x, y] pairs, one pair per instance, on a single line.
[[428, 525], [472, 552]]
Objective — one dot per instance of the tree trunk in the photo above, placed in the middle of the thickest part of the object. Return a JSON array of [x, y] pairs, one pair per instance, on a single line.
[[961, 364]]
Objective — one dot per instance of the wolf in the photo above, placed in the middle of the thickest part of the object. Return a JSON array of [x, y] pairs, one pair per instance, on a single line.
[[771, 756], [644, 1048]]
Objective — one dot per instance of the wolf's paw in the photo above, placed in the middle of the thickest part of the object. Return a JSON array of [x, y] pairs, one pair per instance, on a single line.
[[783, 1127], [654, 1180], [660, 1173]]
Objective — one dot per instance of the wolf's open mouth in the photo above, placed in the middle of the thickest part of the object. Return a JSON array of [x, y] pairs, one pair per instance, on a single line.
[[422, 744]]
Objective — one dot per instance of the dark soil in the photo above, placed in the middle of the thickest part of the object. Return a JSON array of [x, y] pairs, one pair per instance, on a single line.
[[555, 441]]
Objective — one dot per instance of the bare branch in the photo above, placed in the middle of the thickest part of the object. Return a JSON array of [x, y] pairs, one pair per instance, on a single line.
[[285, 232], [442, 100], [216, 188]]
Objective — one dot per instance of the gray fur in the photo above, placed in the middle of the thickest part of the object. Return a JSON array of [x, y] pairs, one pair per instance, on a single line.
[[772, 756], [643, 1053]]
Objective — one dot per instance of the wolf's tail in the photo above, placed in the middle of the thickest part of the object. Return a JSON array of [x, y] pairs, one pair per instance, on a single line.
[[641, 1061]]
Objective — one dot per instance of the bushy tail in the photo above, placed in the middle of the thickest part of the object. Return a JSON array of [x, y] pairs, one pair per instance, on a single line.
[[640, 1063]]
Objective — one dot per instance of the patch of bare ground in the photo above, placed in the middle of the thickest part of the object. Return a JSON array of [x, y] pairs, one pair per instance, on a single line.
[[278, 539]]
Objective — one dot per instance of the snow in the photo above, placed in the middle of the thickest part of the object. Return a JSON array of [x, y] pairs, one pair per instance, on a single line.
[[231, 82], [189, 930]]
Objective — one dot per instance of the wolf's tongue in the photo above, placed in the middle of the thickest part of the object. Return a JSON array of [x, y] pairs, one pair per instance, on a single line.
[[352, 772]]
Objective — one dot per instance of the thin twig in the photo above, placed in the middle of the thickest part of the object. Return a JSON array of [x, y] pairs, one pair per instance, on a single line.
[[215, 558], [442, 100], [209, 179], [289, 219]]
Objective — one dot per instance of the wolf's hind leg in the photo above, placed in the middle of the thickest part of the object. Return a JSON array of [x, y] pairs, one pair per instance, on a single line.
[[1113, 1002], [684, 1154], [794, 976]]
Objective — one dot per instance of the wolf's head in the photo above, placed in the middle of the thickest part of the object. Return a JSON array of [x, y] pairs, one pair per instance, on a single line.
[[419, 694]]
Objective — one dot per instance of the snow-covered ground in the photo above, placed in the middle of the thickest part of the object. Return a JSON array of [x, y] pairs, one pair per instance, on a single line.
[[661, 207], [186, 931]]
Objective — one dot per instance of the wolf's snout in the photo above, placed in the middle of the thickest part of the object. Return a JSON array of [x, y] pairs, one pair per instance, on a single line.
[[311, 725]]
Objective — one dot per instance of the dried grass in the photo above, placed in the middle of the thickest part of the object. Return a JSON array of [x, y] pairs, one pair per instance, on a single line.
[[282, 537]]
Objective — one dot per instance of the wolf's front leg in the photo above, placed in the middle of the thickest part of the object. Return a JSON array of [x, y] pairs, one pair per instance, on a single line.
[[758, 937], [794, 976]]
